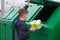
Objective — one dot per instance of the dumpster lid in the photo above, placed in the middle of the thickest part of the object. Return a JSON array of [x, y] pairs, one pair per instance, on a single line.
[[33, 11], [8, 13], [37, 1]]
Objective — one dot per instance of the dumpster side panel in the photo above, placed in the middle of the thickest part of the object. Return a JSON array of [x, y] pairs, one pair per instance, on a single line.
[[2, 31], [54, 24], [8, 32], [56, 32]]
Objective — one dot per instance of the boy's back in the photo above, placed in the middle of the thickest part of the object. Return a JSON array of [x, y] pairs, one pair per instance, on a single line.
[[22, 30]]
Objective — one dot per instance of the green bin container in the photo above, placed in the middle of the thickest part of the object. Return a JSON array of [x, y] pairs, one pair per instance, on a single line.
[[2, 27], [51, 28]]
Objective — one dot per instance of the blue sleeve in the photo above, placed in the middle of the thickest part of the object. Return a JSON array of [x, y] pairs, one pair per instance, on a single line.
[[22, 31]]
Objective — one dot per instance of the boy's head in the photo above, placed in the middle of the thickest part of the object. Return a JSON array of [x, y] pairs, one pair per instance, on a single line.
[[23, 13]]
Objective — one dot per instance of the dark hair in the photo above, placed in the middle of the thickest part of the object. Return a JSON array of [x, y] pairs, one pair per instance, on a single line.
[[22, 11]]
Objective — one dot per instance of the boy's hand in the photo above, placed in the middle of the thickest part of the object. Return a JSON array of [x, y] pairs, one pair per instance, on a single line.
[[32, 29], [28, 2]]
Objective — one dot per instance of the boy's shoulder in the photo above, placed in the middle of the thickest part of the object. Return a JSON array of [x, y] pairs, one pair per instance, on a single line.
[[18, 22]]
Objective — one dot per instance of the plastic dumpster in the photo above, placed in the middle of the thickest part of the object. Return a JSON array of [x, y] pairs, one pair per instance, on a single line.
[[50, 30], [2, 27], [7, 21], [6, 29], [50, 16]]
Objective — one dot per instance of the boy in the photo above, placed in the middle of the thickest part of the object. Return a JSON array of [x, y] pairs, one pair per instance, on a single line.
[[21, 27]]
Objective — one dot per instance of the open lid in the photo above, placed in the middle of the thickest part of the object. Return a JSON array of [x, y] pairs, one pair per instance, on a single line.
[[34, 10], [37, 1], [10, 16], [54, 1], [8, 13]]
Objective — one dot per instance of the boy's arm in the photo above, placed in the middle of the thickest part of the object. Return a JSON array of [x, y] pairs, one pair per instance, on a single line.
[[26, 6], [28, 2]]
